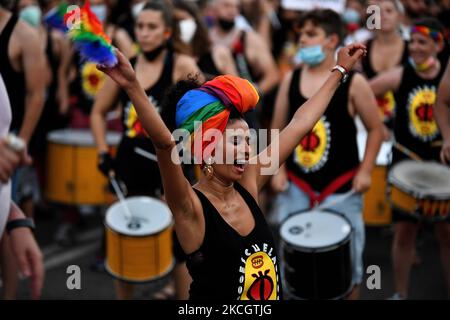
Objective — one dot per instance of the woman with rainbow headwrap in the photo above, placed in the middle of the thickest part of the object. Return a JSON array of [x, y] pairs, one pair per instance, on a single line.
[[220, 226], [415, 86]]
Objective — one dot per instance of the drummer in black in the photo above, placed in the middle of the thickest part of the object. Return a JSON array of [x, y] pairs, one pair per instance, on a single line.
[[415, 86], [443, 121], [325, 164], [218, 221], [158, 66]]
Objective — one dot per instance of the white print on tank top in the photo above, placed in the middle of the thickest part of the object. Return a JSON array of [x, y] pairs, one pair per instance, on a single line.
[[258, 274]]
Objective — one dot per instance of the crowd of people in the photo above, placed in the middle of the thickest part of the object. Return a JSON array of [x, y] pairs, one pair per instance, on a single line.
[[186, 60]]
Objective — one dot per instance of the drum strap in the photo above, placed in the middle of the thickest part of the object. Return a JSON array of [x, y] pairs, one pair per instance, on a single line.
[[315, 199]]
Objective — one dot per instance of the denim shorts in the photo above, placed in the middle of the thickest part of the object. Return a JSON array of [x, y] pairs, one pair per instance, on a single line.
[[294, 200]]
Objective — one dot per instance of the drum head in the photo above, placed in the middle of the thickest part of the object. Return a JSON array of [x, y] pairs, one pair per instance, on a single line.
[[422, 179], [80, 137], [315, 229], [151, 215], [384, 155]]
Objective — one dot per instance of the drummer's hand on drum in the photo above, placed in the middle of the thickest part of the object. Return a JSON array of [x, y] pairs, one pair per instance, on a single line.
[[10, 160], [445, 152], [349, 55], [122, 72], [362, 181]]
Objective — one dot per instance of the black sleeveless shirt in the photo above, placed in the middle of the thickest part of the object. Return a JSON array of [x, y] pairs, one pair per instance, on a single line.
[[386, 103], [141, 175], [415, 126], [228, 266], [208, 67], [330, 149], [14, 81]]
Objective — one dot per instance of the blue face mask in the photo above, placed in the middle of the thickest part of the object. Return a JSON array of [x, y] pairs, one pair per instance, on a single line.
[[100, 12], [311, 56], [32, 15], [351, 16]]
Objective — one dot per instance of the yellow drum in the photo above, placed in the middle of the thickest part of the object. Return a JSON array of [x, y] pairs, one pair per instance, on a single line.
[[72, 174], [377, 210], [421, 189], [139, 249]]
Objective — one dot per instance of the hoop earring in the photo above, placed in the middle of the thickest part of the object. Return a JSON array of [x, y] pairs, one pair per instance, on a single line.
[[208, 169]]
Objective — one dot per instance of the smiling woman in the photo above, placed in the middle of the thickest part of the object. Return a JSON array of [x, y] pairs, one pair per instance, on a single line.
[[231, 253]]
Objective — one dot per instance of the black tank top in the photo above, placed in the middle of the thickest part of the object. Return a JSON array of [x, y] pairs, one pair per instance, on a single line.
[[386, 103], [330, 149], [87, 83], [366, 61], [245, 69], [141, 175], [208, 67], [131, 124], [50, 118], [14, 81], [228, 266], [414, 126]]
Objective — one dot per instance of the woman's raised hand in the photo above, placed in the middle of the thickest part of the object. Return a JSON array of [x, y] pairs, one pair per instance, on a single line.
[[122, 72], [349, 55]]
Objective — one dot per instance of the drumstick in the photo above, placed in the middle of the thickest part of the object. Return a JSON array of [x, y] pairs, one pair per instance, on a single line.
[[408, 152], [119, 194], [145, 154], [342, 198]]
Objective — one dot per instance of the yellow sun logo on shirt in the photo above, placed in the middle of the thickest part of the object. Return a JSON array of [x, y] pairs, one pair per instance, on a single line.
[[422, 124], [386, 106], [92, 79], [312, 152]]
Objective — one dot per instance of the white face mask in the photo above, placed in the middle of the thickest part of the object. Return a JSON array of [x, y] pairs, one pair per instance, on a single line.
[[187, 30], [136, 9]]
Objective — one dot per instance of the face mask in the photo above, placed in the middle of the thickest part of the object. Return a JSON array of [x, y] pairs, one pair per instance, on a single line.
[[187, 30], [32, 15], [153, 54], [351, 16], [311, 56], [225, 25], [100, 12], [136, 9]]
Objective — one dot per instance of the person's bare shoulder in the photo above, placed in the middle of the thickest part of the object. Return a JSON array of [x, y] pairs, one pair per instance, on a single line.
[[185, 66]]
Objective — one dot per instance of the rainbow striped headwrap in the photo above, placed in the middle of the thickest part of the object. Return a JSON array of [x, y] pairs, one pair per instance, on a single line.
[[437, 36], [211, 104]]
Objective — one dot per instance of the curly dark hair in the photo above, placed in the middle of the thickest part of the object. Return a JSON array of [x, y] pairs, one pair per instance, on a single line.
[[173, 94]]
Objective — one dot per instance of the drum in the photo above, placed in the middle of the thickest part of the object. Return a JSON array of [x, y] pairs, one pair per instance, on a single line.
[[421, 189], [316, 255], [139, 249], [72, 174], [376, 209]]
